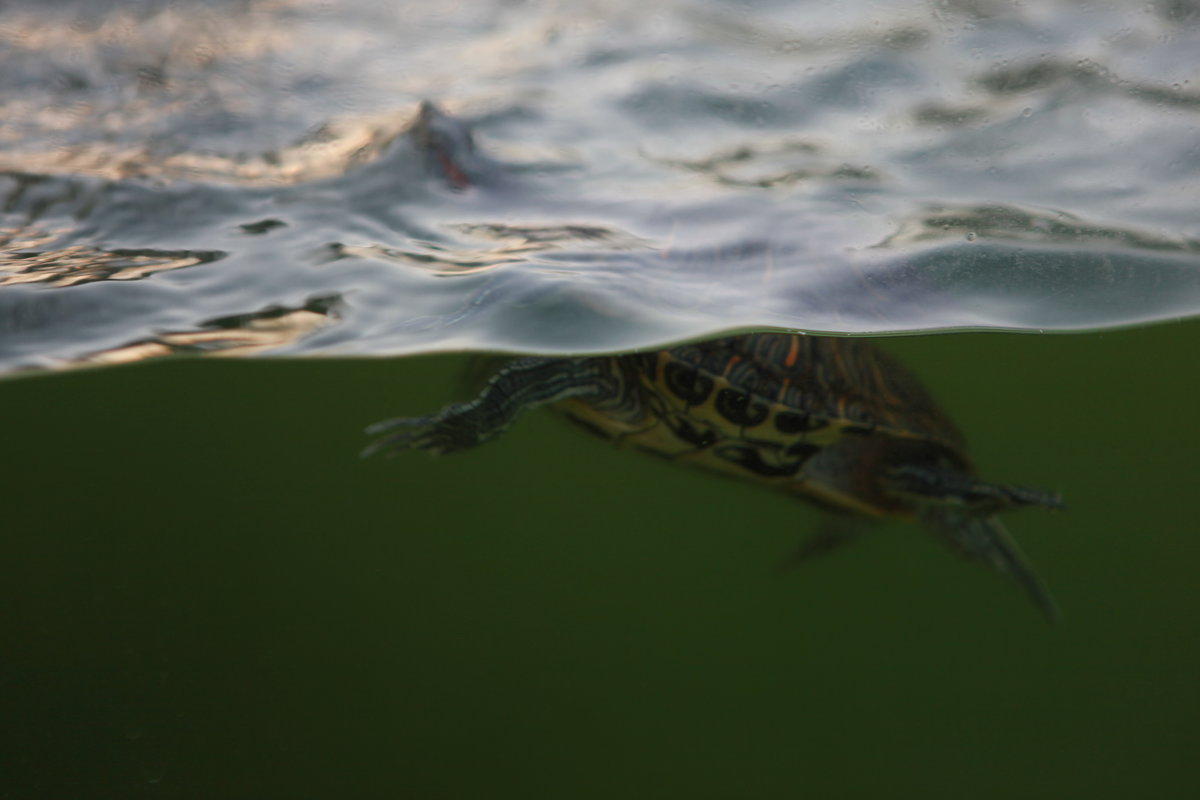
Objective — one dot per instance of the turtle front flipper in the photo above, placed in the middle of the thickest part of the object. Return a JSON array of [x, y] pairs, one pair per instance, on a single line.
[[524, 383], [984, 538]]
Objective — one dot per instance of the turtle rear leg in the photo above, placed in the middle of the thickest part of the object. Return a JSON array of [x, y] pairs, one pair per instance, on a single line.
[[524, 383]]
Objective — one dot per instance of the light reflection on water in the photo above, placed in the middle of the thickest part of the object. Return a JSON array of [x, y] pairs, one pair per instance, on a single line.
[[631, 179]]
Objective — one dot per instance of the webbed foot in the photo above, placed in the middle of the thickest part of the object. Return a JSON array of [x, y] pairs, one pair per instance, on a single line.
[[453, 429], [523, 384]]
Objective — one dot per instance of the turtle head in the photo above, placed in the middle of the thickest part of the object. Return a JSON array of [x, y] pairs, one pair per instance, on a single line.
[[940, 485], [984, 538], [961, 511]]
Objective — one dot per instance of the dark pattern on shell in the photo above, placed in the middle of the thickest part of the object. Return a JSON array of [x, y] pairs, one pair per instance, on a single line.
[[802, 450], [736, 407], [687, 432], [791, 422], [827, 378], [687, 383], [750, 459]]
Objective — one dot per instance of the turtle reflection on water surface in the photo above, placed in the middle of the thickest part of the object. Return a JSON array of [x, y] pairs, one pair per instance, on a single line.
[[834, 421]]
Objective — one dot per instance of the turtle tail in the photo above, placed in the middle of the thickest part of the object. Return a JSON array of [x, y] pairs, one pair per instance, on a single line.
[[982, 537]]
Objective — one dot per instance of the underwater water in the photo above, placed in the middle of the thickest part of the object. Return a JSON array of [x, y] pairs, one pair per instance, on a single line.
[[206, 593]]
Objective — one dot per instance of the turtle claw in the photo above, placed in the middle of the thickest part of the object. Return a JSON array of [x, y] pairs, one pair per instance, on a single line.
[[385, 425], [436, 434], [392, 443], [460, 426]]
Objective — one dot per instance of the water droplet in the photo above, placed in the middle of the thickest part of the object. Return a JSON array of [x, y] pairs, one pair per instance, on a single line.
[[1027, 112]]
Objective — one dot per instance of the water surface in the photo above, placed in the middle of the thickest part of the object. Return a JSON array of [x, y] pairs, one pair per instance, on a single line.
[[259, 178]]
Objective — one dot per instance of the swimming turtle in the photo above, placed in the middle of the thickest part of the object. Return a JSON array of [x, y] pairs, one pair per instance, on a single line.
[[834, 421]]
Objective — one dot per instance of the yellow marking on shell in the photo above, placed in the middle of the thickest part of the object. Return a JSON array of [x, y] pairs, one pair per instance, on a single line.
[[659, 439], [655, 437], [784, 385], [615, 428], [832, 431], [652, 433]]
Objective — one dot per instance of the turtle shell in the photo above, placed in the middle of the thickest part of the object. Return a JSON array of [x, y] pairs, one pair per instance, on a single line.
[[821, 417]]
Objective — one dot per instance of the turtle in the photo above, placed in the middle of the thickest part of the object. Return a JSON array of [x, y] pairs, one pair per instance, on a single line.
[[834, 421]]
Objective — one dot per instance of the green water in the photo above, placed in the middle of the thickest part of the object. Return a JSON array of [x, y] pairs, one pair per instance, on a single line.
[[207, 594]]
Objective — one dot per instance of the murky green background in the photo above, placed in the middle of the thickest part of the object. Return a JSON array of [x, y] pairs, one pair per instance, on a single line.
[[207, 594]]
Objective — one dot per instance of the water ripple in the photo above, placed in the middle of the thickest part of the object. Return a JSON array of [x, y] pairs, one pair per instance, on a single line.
[[270, 179]]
